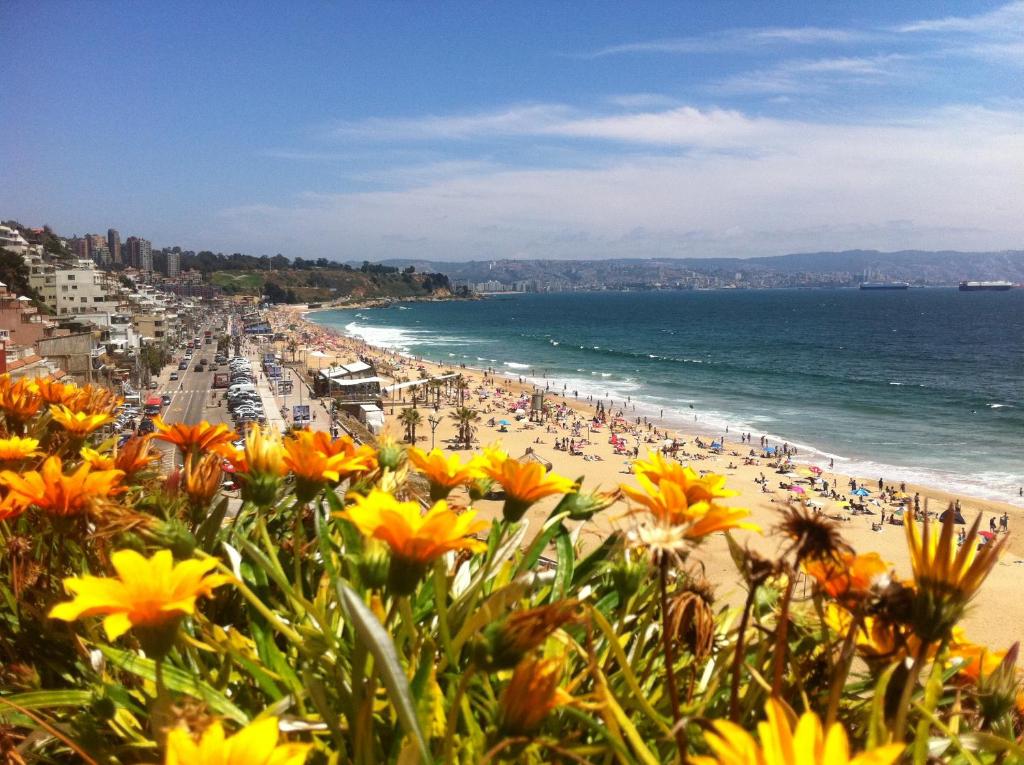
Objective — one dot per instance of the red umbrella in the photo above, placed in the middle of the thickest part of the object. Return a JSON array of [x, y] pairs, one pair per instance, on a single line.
[[987, 535], [815, 469]]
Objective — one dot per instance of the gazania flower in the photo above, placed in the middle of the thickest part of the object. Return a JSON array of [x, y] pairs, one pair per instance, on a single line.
[[260, 465], [15, 448], [315, 460], [19, 400], [782, 743], [92, 399], [973, 660], [54, 391], [55, 493], [946, 578], [416, 539], [530, 695], [670, 504], [202, 477], [203, 437], [97, 460], [847, 577], [134, 456], [698, 489], [78, 423], [506, 642], [444, 473], [149, 595], [524, 483], [11, 506], [256, 744], [814, 536]]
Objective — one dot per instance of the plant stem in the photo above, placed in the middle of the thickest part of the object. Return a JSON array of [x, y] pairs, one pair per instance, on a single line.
[[453, 714], [670, 660], [900, 727], [845, 662], [781, 635], [737, 660]]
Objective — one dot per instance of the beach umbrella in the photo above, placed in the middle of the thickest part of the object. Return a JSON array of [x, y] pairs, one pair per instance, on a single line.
[[667, 443], [815, 469], [803, 471], [861, 492], [715, 445], [797, 489], [504, 422], [769, 450], [988, 535]]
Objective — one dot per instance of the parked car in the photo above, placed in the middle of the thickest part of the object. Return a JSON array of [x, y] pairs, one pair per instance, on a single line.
[[174, 376], [182, 366], [166, 399]]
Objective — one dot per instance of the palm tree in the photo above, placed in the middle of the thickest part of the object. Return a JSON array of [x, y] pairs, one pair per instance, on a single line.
[[465, 417], [410, 418], [462, 385]]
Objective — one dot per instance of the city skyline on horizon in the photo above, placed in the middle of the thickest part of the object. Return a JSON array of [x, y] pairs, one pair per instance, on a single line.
[[450, 133]]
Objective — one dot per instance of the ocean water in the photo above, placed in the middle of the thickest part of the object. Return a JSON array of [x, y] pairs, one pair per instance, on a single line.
[[925, 386]]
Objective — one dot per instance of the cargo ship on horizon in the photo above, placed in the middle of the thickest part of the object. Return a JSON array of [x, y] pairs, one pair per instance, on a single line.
[[885, 285], [1000, 286]]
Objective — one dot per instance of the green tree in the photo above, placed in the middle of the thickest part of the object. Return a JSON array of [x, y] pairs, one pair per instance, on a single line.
[[465, 417], [410, 418]]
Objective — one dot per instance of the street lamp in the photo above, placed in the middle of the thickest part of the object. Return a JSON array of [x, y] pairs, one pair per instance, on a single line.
[[434, 422]]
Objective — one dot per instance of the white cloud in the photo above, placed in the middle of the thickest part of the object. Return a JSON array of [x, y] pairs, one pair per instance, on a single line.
[[1006, 19], [737, 40], [809, 75], [512, 120], [743, 186]]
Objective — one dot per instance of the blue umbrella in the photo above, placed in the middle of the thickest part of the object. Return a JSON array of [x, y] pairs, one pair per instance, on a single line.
[[715, 445], [769, 450], [504, 422], [862, 492]]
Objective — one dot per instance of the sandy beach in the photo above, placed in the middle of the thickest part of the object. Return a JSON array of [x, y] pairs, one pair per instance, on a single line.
[[994, 618]]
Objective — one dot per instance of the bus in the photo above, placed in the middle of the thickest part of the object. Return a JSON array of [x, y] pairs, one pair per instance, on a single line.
[[153, 406]]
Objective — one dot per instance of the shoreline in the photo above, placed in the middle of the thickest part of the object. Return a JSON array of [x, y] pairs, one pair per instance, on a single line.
[[993, 618], [864, 467]]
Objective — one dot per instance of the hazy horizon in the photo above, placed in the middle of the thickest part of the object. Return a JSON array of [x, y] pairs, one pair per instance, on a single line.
[[464, 132]]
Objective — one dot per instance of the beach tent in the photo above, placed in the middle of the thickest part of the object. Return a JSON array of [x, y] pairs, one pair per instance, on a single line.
[[958, 516], [715, 445], [531, 456]]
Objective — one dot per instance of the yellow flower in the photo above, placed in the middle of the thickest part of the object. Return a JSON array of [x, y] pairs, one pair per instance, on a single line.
[[150, 595], [58, 494], [256, 744], [782, 744], [19, 400], [444, 473], [260, 465], [657, 469], [134, 456], [11, 506], [315, 459], [78, 423], [973, 661], [846, 577], [530, 695], [523, 482], [91, 399], [691, 506], [15, 448], [415, 539], [203, 437], [202, 477], [946, 578]]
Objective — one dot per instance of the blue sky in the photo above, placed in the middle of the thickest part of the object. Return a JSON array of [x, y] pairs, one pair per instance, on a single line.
[[488, 130]]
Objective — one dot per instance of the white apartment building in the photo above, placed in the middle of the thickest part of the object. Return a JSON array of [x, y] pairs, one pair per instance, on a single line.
[[11, 239], [78, 289]]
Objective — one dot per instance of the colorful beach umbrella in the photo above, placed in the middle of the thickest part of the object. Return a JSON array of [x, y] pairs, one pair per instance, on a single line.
[[861, 492], [797, 489], [815, 469]]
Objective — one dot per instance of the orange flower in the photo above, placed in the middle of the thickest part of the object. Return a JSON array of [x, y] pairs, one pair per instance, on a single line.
[[53, 391], [973, 660], [847, 577], [443, 473], [58, 494], [78, 423], [133, 457], [708, 488], [531, 694], [416, 539], [92, 399], [202, 477], [11, 506], [524, 483], [315, 460], [203, 437], [689, 506], [19, 400]]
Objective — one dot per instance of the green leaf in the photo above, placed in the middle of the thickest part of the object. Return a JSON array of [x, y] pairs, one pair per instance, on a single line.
[[566, 562], [206, 534], [373, 635], [45, 700], [176, 680], [532, 555], [590, 564]]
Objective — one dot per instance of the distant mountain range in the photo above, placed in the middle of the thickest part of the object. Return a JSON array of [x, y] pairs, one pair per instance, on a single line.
[[811, 269]]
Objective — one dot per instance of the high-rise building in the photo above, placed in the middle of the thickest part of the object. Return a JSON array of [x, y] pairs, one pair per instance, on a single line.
[[139, 253], [80, 246], [173, 263], [114, 245]]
